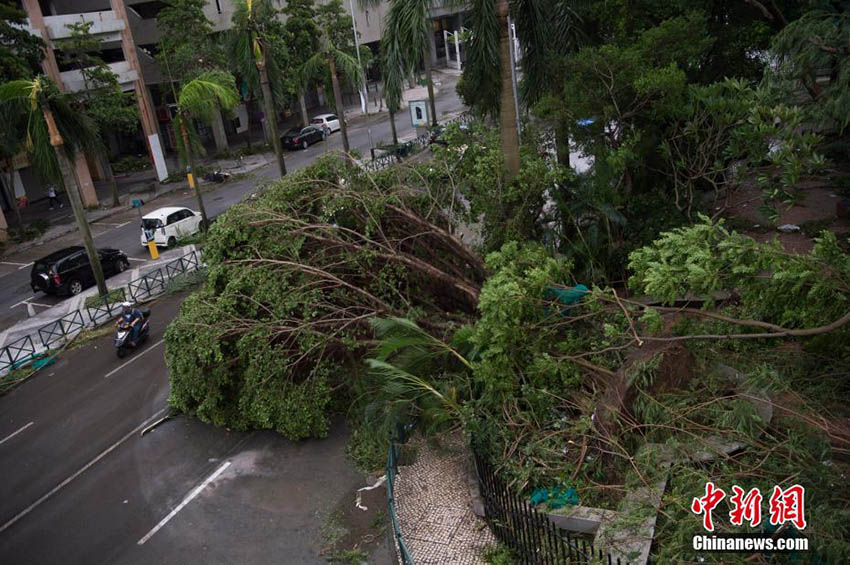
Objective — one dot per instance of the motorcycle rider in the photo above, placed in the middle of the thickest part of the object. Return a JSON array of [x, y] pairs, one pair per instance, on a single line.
[[134, 318]]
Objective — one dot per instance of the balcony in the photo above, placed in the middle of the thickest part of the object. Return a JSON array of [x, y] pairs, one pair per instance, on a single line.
[[105, 25], [73, 80]]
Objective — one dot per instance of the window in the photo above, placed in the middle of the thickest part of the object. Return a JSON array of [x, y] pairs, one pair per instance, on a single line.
[[332, 117], [151, 223], [74, 261], [172, 218], [188, 213]]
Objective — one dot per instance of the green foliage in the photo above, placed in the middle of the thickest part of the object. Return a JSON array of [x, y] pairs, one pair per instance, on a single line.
[[258, 35], [130, 164], [773, 285], [498, 554], [102, 97], [20, 51], [810, 49], [22, 105], [294, 277], [189, 45], [473, 162]]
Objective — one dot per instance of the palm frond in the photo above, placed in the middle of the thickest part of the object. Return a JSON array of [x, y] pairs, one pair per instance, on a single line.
[[481, 75], [203, 96]]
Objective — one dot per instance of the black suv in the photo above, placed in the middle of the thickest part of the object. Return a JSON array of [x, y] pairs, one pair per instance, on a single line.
[[68, 271]]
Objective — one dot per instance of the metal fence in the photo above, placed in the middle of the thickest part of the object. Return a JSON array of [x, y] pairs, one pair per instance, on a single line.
[[383, 161], [17, 351], [532, 537], [108, 309], [24, 348], [392, 470], [61, 329]]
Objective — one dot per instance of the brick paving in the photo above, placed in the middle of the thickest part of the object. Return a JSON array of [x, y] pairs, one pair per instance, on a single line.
[[434, 506]]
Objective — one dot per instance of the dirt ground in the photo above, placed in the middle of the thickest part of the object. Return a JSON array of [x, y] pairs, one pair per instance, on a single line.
[[353, 535], [815, 211]]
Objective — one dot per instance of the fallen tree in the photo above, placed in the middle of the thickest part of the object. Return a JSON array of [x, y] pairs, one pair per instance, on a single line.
[[294, 277]]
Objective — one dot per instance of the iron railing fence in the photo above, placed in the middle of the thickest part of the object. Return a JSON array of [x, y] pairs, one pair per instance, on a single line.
[[532, 537], [393, 453], [17, 351], [107, 309], [59, 330]]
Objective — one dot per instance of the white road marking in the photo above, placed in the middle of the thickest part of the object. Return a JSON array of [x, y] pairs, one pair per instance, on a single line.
[[121, 225], [113, 371], [24, 266], [79, 472], [186, 501], [13, 434], [27, 301], [134, 259], [13, 263]]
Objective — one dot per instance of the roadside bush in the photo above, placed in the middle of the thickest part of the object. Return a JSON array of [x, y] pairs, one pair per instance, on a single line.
[[130, 164]]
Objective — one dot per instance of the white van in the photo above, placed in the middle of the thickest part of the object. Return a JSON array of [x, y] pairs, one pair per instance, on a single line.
[[167, 225]]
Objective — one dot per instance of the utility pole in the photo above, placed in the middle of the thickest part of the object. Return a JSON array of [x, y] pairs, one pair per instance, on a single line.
[[512, 39], [364, 92]]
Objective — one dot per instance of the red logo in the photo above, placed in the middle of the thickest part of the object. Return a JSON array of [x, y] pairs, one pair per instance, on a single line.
[[788, 506], [706, 504], [745, 507]]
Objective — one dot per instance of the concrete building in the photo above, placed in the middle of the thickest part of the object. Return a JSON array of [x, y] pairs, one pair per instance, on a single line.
[[129, 35]]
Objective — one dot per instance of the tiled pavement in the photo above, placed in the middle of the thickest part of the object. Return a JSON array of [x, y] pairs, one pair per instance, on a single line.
[[434, 506]]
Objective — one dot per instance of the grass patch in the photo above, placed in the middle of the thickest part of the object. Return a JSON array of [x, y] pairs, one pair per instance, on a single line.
[[15, 377], [87, 336], [111, 297], [498, 554]]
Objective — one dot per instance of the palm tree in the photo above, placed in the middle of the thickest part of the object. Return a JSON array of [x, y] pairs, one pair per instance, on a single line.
[[544, 29], [392, 67], [330, 60], [200, 99], [54, 130], [253, 40], [411, 32]]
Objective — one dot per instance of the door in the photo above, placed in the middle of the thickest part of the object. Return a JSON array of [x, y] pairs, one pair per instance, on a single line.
[[77, 267], [172, 225], [333, 123], [193, 221]]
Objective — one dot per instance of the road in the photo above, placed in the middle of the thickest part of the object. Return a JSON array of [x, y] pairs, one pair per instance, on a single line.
[[82, 485], [122, 230]]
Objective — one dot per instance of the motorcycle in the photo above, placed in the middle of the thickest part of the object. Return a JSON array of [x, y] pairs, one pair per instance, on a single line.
[[217, 176], [122, 336]]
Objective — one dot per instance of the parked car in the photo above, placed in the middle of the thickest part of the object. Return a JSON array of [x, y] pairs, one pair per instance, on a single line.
[[329, 121], [302, 137], [169, 224], [68, 270]]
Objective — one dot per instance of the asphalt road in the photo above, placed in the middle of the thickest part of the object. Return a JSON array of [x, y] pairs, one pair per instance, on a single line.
[[82, 485], [122, 230]]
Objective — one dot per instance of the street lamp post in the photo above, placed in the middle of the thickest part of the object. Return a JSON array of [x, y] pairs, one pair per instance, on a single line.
[[364, 93]]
